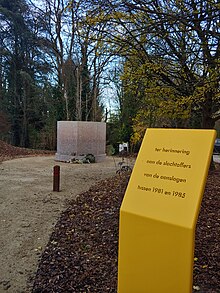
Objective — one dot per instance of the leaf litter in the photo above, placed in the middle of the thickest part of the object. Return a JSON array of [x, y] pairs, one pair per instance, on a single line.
[[81, 255]]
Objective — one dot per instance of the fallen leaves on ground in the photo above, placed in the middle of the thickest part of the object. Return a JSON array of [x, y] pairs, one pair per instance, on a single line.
[[207, 265], [81, 255], [8, 152]]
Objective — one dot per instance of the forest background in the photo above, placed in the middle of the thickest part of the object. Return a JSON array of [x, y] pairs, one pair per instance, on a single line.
[[132, 64]]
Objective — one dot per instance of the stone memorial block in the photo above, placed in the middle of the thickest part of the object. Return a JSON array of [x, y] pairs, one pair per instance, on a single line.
[[78, 138], [159, 212]]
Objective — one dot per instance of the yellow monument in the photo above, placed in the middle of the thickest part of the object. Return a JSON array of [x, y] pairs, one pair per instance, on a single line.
[[159, 212]]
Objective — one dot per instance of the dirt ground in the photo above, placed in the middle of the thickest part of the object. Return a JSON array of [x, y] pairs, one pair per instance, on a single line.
[[29, 209]]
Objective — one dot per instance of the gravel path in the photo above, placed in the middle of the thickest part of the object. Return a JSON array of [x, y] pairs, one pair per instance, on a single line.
[[29, 210]]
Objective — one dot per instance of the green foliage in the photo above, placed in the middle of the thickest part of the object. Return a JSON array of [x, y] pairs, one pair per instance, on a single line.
[[113, 131], [168, 72], [171, 62]]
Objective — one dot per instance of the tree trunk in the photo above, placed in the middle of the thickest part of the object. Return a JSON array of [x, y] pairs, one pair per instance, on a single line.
[[207, 121], [78, 95]]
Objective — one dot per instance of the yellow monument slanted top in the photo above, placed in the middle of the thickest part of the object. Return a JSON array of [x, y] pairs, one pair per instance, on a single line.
[[169, 175], [159, 211]]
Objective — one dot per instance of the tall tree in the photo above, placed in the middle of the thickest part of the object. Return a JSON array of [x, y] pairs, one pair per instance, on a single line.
[[172, 48], [68, 37], [22, 68], [16, 54]]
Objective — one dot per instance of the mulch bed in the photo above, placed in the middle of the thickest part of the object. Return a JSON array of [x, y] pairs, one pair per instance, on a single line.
[[81, 255], [8, 152]]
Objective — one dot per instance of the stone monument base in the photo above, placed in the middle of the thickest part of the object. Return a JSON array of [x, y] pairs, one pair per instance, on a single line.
[[69, 158]]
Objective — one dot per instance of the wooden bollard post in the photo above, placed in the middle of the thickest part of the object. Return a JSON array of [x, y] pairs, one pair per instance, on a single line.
[[56, 178]]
